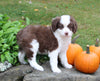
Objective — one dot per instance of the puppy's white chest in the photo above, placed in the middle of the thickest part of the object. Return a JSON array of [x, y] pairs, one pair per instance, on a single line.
[[63, 44]]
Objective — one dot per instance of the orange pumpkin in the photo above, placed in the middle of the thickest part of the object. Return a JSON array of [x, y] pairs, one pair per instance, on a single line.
[[96, 48], [87, 61], [73, 51]]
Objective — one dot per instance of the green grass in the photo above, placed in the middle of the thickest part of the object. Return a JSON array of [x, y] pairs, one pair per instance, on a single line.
[[86, 13]]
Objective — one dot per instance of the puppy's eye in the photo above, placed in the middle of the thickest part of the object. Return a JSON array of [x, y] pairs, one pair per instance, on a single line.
[[70, 26], [60, 26]]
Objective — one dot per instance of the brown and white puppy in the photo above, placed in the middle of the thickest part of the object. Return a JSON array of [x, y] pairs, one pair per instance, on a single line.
[[54, 40]]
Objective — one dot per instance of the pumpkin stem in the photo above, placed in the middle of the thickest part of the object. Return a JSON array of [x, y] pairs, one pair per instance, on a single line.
[[74, 39], [97, 42], [87, 50]]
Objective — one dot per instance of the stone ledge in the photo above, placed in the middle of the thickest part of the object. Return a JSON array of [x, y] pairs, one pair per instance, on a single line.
[[27, 73], [66, 75]]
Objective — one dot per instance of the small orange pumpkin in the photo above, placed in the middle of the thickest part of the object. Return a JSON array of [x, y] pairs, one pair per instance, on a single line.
[[96, 48], [87, 61], [73, 51]]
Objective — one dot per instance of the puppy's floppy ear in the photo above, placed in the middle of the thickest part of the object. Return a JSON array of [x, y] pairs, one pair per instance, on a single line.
[[55, 22], [74, 29]]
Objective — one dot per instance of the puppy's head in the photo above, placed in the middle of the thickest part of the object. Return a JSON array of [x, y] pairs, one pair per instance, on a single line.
[[64, 25]]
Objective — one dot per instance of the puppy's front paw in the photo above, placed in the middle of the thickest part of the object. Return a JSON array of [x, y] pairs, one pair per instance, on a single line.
[[68, 66], [56, 70], [40, 68]]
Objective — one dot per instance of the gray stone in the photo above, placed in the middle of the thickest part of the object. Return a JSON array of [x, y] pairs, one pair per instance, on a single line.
[[27, 73], [65, 75], [15, 73]]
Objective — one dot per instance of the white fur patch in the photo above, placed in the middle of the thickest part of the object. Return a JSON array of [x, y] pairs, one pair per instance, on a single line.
[[21, 56], [65, 20], [32, 61], [63, 43], [54, 61]]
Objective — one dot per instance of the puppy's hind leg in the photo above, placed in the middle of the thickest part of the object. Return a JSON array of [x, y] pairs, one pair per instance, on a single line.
[[21, 56], [33, 52]]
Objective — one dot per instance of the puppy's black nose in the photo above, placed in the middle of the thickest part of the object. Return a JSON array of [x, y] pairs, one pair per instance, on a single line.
[[66, 33]]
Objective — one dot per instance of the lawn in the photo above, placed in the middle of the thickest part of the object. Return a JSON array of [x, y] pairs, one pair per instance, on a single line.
[[86, 13]]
